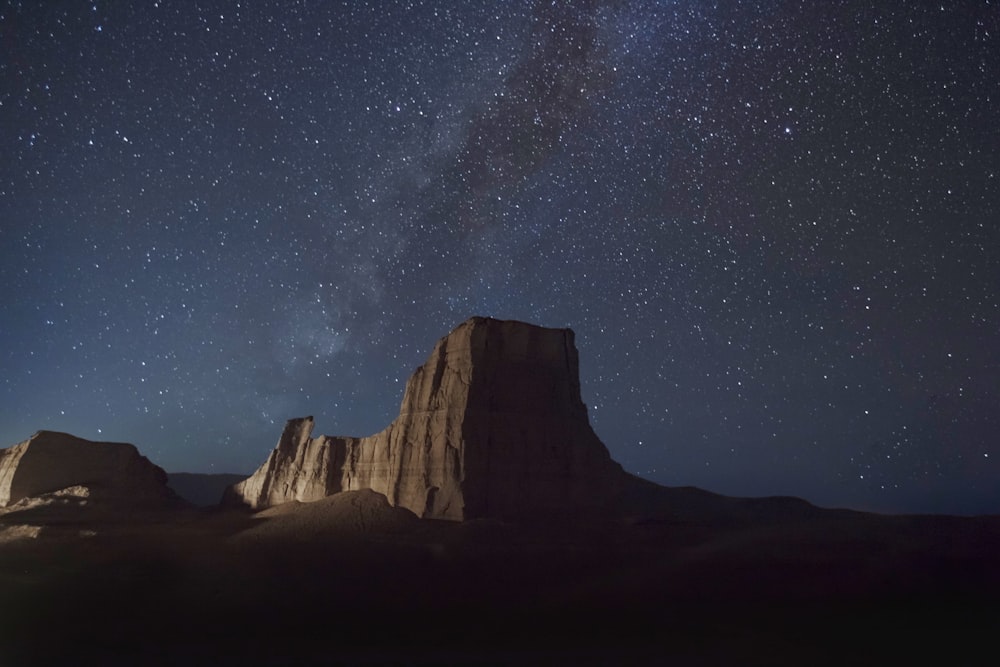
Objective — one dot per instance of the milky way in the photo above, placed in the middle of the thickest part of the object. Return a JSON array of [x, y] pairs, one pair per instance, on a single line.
[[772, 225]]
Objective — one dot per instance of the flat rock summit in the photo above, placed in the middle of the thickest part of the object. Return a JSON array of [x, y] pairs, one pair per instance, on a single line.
[[491, 425]]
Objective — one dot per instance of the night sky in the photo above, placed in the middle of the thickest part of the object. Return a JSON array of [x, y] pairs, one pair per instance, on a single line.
[[772, 225]]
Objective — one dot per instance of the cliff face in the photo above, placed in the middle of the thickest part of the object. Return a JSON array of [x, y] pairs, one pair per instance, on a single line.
[[491, 425], [50, 461]]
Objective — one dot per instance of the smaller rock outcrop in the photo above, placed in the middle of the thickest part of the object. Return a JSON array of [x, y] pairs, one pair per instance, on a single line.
[[49, 462]]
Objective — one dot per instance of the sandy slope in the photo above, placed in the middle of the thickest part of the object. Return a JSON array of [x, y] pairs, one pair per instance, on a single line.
[[341, 514]]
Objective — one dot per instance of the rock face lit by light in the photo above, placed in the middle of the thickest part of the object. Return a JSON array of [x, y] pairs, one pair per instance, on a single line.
[[491, 425]]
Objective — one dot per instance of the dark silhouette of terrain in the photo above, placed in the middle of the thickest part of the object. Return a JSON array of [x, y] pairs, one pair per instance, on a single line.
[[201, 489], [353, 580]]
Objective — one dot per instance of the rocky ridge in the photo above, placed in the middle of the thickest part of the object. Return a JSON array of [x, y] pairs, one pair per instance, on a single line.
[[492, 425]]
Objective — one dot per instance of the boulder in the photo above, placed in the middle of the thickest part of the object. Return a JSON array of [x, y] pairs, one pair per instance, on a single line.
[[49, 462], [492, 425]]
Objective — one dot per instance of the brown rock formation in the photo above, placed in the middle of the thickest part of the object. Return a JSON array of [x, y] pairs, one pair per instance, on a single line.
[[49, 461], [491, 425]]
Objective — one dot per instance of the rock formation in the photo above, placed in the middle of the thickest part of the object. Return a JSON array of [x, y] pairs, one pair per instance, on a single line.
[[49, 462], [492, 425]]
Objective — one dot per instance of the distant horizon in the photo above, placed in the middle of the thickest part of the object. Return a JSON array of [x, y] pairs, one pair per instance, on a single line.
[[763, 494]]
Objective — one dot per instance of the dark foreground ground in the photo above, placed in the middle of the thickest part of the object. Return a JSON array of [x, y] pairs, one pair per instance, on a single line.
[[351, 581]]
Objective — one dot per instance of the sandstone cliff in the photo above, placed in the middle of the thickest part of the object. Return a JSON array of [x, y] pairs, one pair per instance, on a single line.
[[492, 425], [49, 462]]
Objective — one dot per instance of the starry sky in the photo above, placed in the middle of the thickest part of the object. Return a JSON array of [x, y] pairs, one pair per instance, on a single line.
[[773, 226]]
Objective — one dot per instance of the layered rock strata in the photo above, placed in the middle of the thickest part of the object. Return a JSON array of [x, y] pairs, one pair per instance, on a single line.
[[50, 461], [492, 425]]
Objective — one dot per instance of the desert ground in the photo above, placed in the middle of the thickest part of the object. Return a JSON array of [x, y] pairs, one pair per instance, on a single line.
[[695, 579]]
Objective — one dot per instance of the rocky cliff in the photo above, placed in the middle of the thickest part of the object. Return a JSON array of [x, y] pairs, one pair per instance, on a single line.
[[49, 461], [492, 425]]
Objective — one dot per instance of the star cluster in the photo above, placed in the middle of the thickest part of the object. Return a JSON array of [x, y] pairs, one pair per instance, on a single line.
[[773, 226]]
